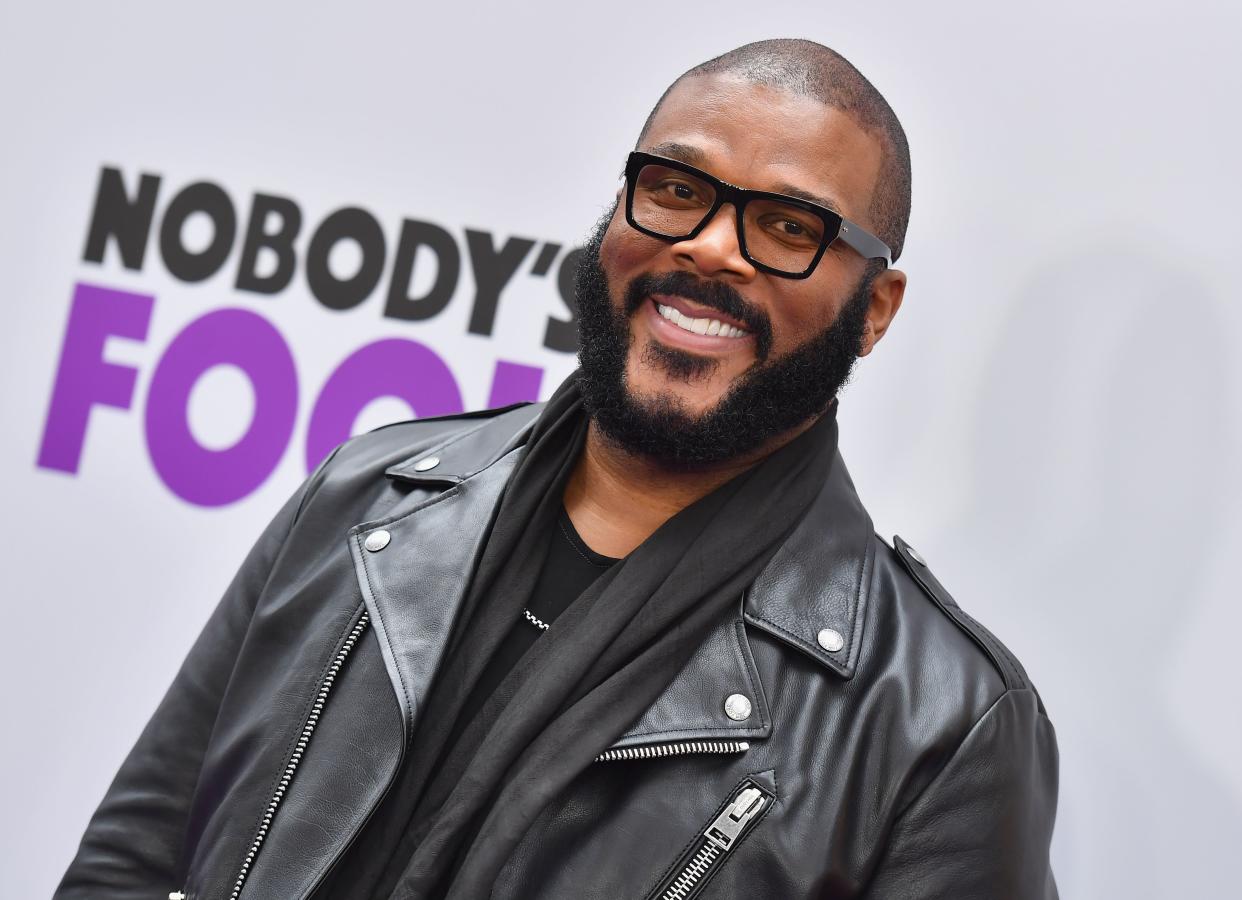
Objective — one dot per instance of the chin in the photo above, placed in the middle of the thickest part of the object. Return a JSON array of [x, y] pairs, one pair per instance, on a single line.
[[694, 386], [671, 397]]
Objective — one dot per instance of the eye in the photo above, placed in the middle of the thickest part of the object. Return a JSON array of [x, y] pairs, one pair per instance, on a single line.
[[671, 190], [790, 228]]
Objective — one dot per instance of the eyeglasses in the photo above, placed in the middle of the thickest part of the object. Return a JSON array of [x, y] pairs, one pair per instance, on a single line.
[[784, 235]]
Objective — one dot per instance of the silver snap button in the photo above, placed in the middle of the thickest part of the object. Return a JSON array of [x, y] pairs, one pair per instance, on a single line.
[[377, 540], [914, 555], [830, 640], [737, 707], [426, 463]]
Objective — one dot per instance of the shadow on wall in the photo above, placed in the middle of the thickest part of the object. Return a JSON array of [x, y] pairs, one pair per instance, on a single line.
[[1103, 447]]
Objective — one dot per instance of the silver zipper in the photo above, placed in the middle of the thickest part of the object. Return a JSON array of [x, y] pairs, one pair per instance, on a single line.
[[321, 699], [714, 844], [652, 751]]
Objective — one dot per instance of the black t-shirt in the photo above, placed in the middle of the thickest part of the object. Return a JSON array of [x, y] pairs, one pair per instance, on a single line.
[[569, 569]]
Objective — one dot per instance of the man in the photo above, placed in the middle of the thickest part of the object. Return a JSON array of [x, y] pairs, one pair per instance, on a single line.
[[641, 641]]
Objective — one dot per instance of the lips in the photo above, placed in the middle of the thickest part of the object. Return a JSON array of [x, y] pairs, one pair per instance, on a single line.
[[654, 299], [702, 325], [692, 311], [670, 326]]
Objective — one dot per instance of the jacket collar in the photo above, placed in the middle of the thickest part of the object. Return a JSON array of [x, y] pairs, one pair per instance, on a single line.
[[471, 451], [812, 595]]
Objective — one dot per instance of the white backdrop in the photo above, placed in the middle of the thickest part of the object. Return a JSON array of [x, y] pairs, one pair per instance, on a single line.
[[1052, 421]]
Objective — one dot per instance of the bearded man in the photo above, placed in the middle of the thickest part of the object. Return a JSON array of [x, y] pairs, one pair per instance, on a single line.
[[641, 640]]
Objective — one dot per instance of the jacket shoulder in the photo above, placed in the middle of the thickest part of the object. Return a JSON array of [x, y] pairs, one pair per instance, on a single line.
[[399, 443], [1002, 659]]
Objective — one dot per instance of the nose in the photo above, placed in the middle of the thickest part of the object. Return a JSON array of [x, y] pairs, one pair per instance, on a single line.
[[715, 249]]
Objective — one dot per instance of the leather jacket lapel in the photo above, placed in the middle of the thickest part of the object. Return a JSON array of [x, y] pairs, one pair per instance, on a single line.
[[812, 594], [692, 707], [415, 583]]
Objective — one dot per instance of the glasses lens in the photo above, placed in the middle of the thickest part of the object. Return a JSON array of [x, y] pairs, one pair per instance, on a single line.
[[781, 235], [670, 202]]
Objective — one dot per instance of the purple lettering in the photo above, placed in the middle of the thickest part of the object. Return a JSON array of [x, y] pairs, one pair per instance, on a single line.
[[514, 383], [195, 473], [83, 379], [393, 367]]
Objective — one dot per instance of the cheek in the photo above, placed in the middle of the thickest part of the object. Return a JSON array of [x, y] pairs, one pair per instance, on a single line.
[[804, 313], [624, 252]]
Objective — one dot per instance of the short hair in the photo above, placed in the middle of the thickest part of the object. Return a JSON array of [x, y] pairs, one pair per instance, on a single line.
[[812, 70]]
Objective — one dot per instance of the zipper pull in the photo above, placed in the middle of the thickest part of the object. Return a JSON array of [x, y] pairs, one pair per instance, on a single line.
[[729, 824]]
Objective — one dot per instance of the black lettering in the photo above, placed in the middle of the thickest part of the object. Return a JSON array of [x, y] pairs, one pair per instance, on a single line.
[[204, 197], [560, 334], [262, 208], [543, 262], [492, 271], [416, 234], [127, 222], [358, 225]]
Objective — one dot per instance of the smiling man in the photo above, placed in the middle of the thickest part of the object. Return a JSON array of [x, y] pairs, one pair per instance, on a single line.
[[641, 640]]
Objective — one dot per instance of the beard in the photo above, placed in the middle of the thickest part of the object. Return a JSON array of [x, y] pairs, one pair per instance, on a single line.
[[774, 396]]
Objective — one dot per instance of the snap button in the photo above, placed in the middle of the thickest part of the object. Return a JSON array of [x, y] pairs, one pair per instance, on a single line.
[[737, 707], [830, 640], [914, 555], [426, 463], [377, 540]]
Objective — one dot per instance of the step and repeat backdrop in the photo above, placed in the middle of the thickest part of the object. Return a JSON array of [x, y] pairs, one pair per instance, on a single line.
[[232, 236]]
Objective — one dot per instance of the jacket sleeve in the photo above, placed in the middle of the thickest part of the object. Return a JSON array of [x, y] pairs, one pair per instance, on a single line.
[[133, 841], [981, 829]]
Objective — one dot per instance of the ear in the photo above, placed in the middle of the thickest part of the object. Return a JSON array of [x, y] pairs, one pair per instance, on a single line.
[[887, 291]]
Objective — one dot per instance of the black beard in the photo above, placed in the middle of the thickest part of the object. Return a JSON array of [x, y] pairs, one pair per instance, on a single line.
[[773, 397]]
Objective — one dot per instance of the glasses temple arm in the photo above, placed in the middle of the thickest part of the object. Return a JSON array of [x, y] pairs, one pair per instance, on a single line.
[[868, 245]]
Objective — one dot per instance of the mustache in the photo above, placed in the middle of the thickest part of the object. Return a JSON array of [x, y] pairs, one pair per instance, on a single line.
[[715, 294]]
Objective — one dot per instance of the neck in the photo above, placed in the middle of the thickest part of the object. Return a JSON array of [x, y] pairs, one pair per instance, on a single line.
[[617, 499]]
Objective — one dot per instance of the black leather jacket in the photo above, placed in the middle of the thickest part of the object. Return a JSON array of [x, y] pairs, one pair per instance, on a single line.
[[892, 747]]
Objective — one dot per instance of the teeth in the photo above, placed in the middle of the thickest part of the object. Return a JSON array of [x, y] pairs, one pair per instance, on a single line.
[[698, 326]]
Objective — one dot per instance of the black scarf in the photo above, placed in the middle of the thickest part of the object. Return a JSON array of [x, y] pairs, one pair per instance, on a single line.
[[603, 662]]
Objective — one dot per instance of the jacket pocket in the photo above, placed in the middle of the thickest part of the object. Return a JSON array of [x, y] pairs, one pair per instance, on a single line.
[[706, 854]]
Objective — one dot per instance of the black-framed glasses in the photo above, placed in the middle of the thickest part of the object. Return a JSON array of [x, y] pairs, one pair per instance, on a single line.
[[674, 201]]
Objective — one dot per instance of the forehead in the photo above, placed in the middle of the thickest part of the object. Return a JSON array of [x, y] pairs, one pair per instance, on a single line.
[[768, 138]]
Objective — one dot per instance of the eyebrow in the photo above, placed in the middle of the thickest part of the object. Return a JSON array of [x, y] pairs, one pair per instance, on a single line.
[[793, 191], [680, 152], [696, 157]]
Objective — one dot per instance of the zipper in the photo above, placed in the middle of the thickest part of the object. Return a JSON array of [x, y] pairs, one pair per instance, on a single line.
[[707, 853], [652, 751], [299, 750]]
